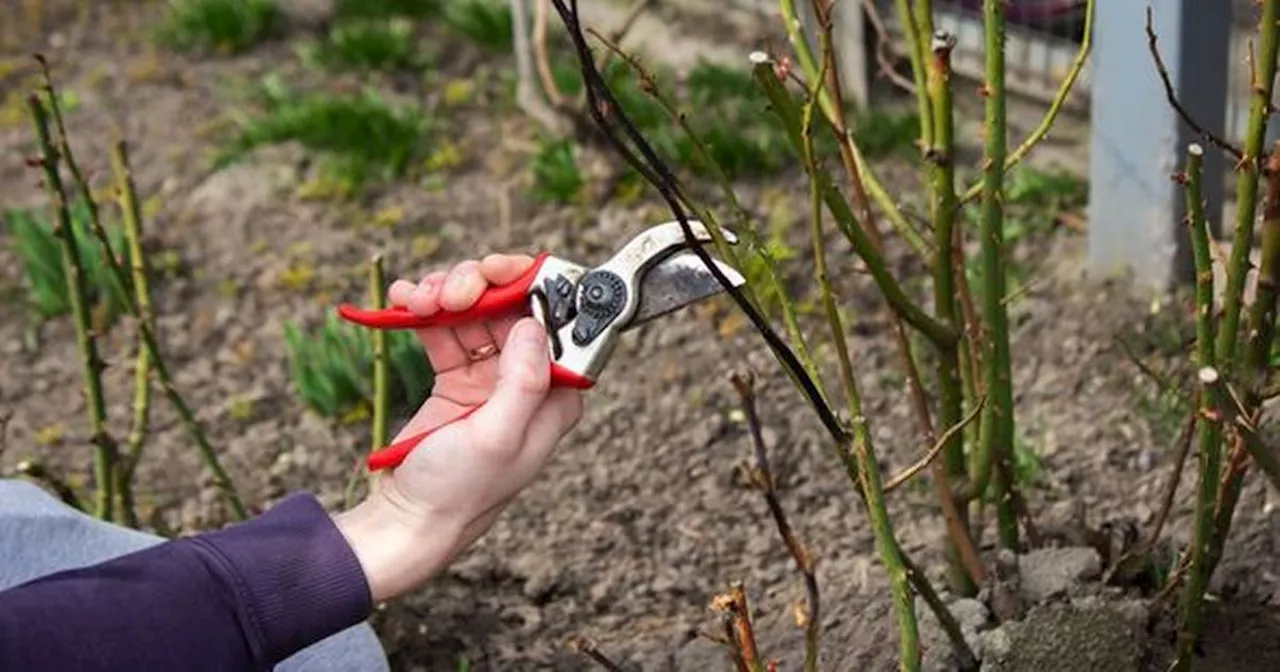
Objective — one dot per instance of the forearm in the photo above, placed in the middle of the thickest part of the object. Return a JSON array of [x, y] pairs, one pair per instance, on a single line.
[[241, 598]]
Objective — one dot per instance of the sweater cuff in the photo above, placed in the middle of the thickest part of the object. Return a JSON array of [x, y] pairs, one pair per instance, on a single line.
[[297, 578]]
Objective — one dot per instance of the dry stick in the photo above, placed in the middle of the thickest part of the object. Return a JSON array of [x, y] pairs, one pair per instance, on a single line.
[[1055, 106], [1175, 477], [37, 471], [131, 213], [106, 455], [221, 480], [734, 605], [1210, 449], [884, 52], [997, 431], [1259, 339], [653, 170], [1169, 94], [541, 56], [744, 384], [588, 648]]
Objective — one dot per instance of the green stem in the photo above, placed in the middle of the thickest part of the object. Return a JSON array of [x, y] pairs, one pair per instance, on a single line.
[[381, 371], [1247, 184], [997, 431], [1210, 448], [787, 110], [916, 51], [1055, 107], [120, 283], [91, 364], [132, 215], [943, 210]]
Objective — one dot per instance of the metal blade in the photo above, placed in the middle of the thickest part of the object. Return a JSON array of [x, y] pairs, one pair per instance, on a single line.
[[676, 282]]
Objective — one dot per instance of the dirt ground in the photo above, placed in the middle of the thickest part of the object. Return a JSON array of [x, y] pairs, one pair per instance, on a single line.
[[644, 515]]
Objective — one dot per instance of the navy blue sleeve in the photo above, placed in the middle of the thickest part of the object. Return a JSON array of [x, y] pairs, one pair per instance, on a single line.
[[242, 598]]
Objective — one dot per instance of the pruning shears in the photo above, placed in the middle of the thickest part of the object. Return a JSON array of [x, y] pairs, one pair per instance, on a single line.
[[583, 309]]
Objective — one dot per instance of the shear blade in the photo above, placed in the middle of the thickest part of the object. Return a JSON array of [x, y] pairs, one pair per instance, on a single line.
[[676, 282]]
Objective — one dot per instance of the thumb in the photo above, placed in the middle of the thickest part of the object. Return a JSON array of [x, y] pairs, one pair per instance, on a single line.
[[524, 379]]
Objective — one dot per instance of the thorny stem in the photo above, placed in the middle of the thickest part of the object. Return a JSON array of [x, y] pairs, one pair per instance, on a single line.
[[744, 384], [132, 215], [997, 431], [604, 107], [941, 156], [1258, 342], [1055, 106], [1210, 448], [1247, 185], [106, 456], [1230, 411], [221, 479]]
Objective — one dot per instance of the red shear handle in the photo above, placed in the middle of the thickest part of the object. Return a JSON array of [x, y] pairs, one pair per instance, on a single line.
[[391, 456], [494, 301]]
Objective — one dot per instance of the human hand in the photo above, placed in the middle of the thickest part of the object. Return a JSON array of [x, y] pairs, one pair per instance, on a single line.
[[452, 487]]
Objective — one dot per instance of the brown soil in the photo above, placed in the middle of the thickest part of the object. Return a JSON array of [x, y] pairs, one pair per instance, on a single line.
[[645, 514]]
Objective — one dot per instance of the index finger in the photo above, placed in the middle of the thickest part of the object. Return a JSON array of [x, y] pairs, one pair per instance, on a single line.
[[500, 269]]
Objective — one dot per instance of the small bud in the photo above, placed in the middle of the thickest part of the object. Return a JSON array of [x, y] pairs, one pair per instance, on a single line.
[[758, 57]]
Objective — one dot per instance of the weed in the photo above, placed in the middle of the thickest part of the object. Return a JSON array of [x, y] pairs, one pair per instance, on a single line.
[[556, 176], [332, 370], [221, 26], [38, 248], [488, 23], [383, 9], [360, 136], [366, 45]]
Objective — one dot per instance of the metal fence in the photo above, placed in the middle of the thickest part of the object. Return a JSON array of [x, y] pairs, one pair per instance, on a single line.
[[1041, 42]]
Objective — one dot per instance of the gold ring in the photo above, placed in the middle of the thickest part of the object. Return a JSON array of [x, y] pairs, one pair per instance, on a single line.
[[485, 351]]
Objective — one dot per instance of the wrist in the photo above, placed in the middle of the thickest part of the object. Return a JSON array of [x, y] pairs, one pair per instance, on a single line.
[[397, 549]]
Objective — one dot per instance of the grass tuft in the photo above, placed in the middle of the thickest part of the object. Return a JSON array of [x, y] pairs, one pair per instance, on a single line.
[[38, 249], [332, 368], [556, 175], [360, 137], [367, 45], [222, 26], [488, 23]]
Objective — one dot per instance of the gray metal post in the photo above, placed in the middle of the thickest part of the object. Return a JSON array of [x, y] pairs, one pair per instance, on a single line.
[[1138, 141]]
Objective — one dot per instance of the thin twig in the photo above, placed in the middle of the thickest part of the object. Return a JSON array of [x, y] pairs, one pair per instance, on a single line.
[[744, 383], [928, 458], [1175, 477], [541, 56], [884, 48], [586, 647], [1171, 95], [37, 471], [118, 278]]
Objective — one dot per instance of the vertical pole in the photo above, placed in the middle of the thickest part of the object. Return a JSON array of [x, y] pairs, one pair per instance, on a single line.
[[1135, 210]]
